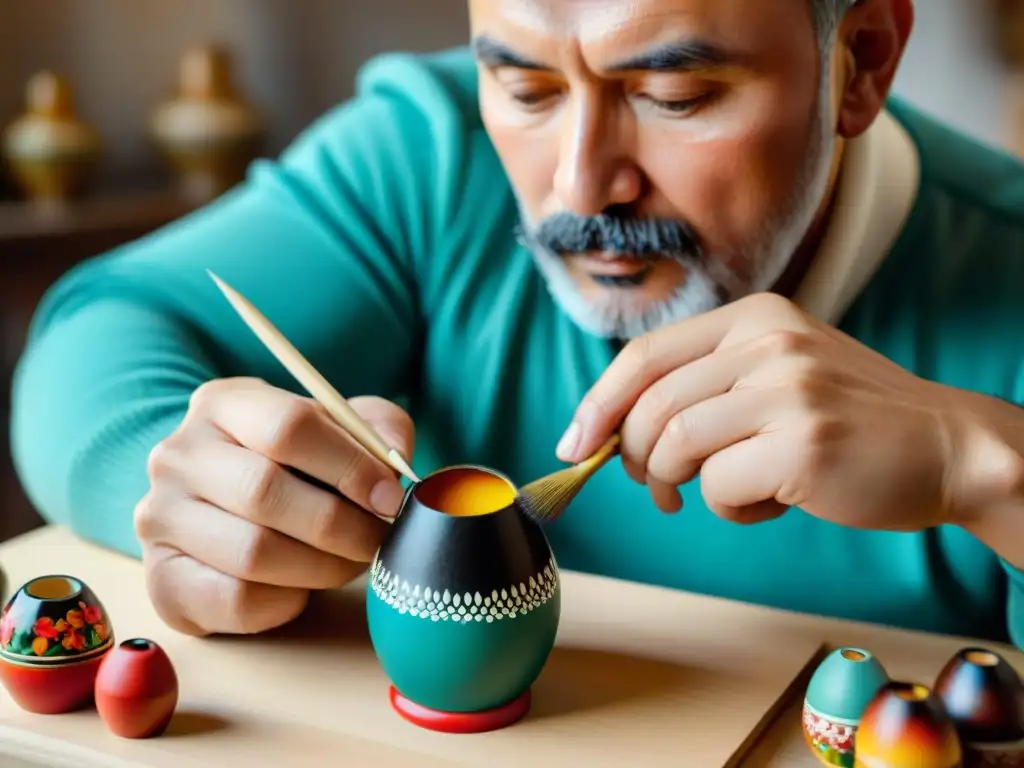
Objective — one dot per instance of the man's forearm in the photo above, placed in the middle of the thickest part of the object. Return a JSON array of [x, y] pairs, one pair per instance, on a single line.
[[986, 479]]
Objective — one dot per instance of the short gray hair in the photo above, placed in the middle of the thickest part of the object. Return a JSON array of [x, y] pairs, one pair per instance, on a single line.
[[826, 15]]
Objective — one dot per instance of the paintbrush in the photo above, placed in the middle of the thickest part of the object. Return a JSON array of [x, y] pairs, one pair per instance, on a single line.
[[544, 500], [314, 382]]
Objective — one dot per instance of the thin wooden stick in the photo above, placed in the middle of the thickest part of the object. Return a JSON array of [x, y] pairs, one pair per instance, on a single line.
[[313, 381]]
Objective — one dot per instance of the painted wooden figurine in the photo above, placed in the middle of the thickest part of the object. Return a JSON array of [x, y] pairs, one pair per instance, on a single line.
[[837, 694], [907, 726], [51, 153], [463, 603], [207, 132], [54, 634], [137, 689], [984, 696]]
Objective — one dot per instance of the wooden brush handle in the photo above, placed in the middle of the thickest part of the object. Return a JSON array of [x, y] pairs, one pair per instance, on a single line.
[[606, 451]]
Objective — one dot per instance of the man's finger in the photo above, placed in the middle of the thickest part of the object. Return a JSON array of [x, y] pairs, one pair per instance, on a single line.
[[710, 376], [648, 358], [711, 426], [666, 497], [263, 492], [748, 474], [394, 425], [642, 362], [298, 432], [241, 549], [196, 599]]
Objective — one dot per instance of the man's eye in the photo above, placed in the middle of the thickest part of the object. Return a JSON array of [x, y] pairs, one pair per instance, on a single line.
[[533, 101], [529, 98], [678, 106]]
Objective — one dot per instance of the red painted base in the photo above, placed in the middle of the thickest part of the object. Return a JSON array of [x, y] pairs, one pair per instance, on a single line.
[[51, 689], [460, 722]]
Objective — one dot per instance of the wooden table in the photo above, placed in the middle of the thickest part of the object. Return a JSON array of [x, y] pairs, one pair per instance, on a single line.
[[640, 676]]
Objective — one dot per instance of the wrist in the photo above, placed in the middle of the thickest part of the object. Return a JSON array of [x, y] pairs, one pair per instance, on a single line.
[[984, 476]]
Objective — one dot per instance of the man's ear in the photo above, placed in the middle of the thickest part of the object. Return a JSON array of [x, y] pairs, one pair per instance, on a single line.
[[870, 45]]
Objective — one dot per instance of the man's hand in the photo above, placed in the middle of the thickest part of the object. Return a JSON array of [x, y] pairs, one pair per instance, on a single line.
[[235, 531], [774, 409]]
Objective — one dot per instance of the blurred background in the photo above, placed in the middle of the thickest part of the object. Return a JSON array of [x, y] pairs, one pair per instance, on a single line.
[[121, 115]]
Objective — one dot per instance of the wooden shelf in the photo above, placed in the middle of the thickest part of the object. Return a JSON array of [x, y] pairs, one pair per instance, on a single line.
[[86, 226]]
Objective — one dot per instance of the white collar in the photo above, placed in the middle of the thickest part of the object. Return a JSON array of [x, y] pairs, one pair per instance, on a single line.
[[877, 188]]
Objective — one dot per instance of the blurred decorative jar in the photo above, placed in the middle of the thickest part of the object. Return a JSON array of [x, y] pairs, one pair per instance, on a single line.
[[1008, 24], [207, 132], [52, 154]]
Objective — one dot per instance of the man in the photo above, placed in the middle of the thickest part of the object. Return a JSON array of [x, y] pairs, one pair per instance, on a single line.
[[701, 223]]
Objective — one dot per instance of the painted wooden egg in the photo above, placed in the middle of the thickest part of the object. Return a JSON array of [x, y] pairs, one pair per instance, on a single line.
[[839, 690], [907, 726], [137, 689], [984, 696], [50, 689], [54, 632], [463, 603]]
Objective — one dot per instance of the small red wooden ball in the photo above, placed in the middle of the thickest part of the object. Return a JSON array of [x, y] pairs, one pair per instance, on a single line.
[[136, 689]]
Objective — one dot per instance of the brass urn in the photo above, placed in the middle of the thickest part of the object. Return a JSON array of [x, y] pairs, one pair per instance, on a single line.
[[52, 154], [207, 132]]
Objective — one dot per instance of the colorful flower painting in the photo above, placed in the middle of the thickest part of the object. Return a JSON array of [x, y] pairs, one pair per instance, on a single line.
[[80, 630]]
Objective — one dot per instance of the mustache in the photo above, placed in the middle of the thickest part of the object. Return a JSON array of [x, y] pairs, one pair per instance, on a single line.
[[643, 238]]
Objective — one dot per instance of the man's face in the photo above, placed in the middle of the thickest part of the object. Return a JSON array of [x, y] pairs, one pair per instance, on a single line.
[[668, 155]]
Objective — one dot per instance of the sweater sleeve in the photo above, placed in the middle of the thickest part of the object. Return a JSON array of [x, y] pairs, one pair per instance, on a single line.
[[1015, 604], [324, 241]]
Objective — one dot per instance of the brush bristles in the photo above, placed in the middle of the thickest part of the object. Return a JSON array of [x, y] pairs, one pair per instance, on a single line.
[[547, 503], [544, 500]]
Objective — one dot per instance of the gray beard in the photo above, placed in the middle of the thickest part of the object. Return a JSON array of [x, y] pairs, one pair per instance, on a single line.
[[625, 314]]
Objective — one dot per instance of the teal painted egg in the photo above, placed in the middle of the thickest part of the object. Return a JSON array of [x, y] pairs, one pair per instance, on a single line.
[[463, 601], [840, 689]]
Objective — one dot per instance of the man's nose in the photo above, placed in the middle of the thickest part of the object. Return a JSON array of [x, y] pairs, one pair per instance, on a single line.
[[595, 170]]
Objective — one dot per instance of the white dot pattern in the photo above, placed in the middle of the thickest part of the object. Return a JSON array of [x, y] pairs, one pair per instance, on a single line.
[[444, 605]]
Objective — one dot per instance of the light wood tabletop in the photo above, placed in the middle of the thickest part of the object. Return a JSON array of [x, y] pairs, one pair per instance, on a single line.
[[639, 676]]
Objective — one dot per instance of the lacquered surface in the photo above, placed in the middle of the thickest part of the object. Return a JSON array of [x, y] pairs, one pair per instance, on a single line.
[[136, 689], [844, 683], [51, 689], [466, 665], [830, 742], [984, 695], [906, 726], [462, 609], [462, 553], [54, 619], [461, 722]]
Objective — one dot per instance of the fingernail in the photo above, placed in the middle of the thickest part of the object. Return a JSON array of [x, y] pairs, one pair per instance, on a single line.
[[386, 497], [566, 450]]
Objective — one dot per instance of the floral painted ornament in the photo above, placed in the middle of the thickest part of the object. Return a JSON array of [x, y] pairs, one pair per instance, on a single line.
[[54, 632], [53, 618]]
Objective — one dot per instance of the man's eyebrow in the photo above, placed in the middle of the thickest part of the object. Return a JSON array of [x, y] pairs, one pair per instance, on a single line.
[[677, 57], [493, 54]]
